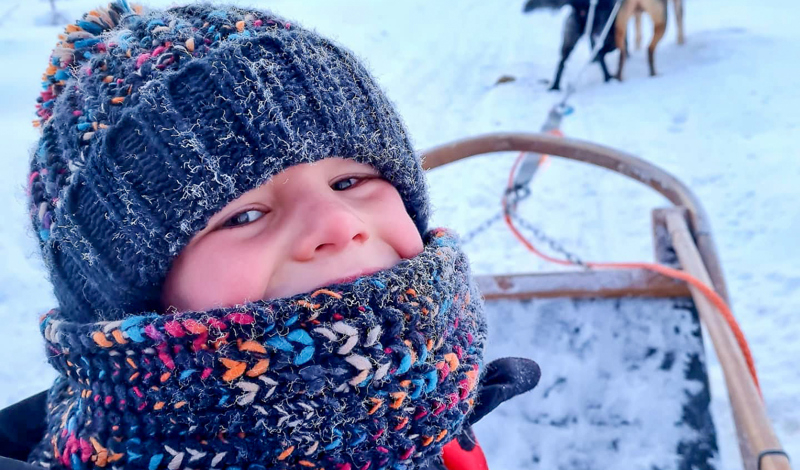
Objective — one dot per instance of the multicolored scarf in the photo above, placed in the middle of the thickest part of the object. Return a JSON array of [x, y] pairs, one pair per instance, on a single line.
[[378, 373]]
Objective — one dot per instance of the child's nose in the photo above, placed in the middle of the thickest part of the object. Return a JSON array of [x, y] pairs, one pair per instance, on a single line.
[[328, 226]]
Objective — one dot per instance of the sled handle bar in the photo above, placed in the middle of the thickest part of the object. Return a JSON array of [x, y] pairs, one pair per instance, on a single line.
[[620, 162]]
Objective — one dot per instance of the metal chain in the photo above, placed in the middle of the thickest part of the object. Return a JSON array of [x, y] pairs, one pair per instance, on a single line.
[[534, 230], [520, 190], [482, 227], [552, 243]]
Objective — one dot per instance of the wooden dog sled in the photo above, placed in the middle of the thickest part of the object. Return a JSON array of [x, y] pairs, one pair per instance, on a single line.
[[624, 379]]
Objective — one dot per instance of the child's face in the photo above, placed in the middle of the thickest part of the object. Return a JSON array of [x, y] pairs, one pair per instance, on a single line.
[[309, 226]]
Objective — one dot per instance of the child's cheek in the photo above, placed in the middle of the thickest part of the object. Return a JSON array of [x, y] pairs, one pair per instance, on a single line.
[[411, 244], [395, 225], [216, 275]]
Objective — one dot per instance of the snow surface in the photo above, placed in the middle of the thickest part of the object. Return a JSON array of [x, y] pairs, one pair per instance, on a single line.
[[613, 386], [722, 116]]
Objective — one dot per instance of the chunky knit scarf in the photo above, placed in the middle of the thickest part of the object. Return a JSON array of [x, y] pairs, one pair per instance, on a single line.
[[377, 373]]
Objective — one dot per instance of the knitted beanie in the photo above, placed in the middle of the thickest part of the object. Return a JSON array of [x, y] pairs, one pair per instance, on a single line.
[[152, 121]]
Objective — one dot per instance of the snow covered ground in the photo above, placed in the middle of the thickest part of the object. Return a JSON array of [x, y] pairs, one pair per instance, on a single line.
[[722, 116]]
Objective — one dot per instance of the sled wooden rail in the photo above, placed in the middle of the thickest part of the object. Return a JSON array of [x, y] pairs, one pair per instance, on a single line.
[[691, 239], [614, 160], [752, 422], [581, 284]]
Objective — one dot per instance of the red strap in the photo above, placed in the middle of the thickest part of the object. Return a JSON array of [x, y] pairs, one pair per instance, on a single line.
[[456, 458]]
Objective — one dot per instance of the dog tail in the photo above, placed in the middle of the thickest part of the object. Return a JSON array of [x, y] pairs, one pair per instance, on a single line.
[[531, 5]]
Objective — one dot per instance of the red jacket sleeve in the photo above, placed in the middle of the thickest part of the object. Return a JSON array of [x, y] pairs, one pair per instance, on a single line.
[[464, 453]]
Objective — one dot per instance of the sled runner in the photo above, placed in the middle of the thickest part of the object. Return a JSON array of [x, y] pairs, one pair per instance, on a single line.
[[624, 379]]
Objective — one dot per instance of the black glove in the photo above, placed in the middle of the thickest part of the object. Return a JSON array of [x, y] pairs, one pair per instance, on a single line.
[[502, 380], [22, 425]]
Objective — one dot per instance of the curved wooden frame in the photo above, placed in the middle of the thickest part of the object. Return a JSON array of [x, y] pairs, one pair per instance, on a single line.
[[614, 160]]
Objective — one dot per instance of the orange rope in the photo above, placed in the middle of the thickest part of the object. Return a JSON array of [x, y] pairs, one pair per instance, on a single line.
[[664, 270]]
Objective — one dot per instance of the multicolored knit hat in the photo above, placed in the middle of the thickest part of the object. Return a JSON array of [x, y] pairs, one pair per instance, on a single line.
[[153, 121]]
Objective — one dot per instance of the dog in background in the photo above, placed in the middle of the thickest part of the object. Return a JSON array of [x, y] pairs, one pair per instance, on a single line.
[[574, 27], [657, 9]]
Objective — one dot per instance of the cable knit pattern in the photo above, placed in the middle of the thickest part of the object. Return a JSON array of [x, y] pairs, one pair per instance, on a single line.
[[376, 373], [153, 121]]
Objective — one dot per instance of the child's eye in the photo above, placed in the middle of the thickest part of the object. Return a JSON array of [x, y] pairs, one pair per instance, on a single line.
[[244, 218], [350, 182], [345, 183]]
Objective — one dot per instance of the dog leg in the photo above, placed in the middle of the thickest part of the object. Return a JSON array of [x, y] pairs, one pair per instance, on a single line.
[[658, 13], [620, 37], [638, 21], [602, 59], [621, 33], [679, 18], [609, 44], [627, 49], [557, 80], [658, 33], [572, 33]]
